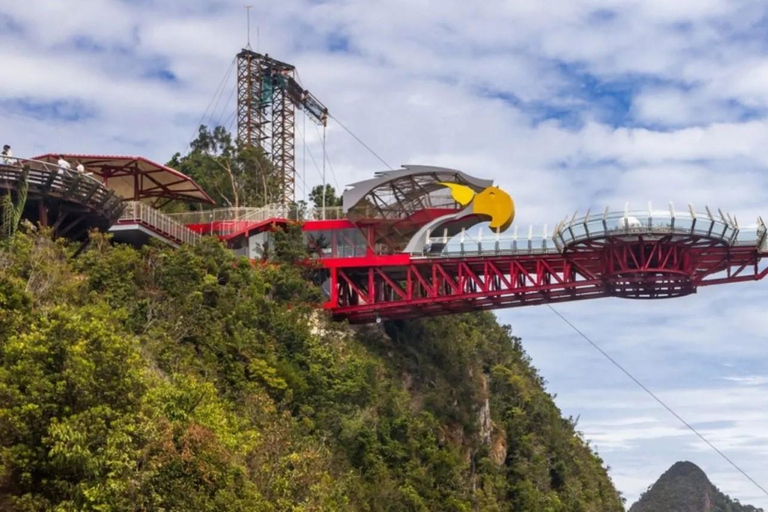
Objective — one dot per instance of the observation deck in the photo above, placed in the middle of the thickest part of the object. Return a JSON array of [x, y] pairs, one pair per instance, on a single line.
[[578, 233], [411, 243], [647, 254], [70, 203], [139, 185]]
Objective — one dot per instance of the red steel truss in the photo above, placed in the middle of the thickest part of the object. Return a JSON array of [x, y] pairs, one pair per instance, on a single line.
[[657, 267]]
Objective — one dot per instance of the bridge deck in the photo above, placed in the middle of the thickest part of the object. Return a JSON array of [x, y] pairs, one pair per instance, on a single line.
[[569, 235]]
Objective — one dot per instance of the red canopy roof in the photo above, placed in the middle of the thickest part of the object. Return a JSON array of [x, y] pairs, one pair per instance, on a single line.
[[135, 177]]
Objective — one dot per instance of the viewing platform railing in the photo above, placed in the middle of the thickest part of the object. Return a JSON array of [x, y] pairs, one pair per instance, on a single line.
[[156, 221], [327, 213], [232, 214], [721, 227], [657, 222], [46, 179], [229, 220]]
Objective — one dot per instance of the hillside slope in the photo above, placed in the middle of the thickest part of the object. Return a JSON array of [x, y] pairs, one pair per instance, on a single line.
[[685, 488], [190, 380]]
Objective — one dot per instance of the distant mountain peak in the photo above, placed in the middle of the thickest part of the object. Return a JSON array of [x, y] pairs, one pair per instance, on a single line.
[[685, 469], [686, 488]]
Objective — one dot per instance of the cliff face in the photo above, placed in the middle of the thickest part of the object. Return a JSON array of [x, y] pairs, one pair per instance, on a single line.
[[685, 488], [190, 380]]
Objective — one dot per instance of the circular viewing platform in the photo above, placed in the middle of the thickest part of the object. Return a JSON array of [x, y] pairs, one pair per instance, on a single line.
[[691, 227], [656, 253], [635, 254], [69, 202]]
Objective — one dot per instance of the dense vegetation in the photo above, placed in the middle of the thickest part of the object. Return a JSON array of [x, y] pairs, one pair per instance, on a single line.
[[685, 488], [190, 380], [233, 174]]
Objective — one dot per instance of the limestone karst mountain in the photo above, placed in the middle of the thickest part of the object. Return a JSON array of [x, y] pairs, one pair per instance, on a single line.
[[685, 488]]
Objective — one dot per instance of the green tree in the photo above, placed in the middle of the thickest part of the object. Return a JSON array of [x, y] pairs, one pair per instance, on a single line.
[[331, 199], [191, 379], [232, 173], [12, 211]]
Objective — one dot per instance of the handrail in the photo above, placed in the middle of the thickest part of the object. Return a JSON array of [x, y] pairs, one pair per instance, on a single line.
[[45, 166], [232, 214], [327, 213], [575, 229], [157, 221], [257, 214], [45, 180], [690, 222]]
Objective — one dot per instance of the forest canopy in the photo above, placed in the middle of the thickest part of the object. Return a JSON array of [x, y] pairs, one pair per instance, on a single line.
[[190, 379]]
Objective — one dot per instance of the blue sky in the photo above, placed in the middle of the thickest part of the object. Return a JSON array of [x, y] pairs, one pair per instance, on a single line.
[[568, 104]]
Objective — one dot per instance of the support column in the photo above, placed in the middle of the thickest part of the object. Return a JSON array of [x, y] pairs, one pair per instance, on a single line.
[[42, 214]]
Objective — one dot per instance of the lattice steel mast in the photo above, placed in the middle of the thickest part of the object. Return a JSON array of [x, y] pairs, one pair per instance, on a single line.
[[267, 95]]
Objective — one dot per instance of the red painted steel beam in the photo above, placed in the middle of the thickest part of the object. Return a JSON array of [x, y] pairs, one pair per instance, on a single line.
[[364, 289], [450, 285]]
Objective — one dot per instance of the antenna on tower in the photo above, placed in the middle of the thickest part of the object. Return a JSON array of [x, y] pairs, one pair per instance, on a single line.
[[248, 17]]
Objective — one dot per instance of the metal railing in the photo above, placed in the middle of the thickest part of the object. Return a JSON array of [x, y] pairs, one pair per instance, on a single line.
[[482, 242], [572, 231], [689, 222], [158, 222], [232, 214], [257, 214], [46, 179], [39, 165], [327, 213]]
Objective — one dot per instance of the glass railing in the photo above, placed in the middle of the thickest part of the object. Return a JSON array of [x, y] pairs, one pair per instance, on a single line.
[[258, 214], [483, 242], [717, 226]]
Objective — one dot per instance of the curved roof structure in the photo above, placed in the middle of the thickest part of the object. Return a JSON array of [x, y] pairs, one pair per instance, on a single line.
[[135, 177], [400, 203], [399, 193]]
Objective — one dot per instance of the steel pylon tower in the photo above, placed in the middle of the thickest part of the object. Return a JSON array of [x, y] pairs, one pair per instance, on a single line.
[[267, 97]]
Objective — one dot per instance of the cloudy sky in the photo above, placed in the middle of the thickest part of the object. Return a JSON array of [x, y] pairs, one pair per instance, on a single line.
[[568, 104]]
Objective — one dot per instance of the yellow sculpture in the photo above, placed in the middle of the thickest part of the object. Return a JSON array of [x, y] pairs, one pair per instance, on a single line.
[[492, 202], [462, 194]]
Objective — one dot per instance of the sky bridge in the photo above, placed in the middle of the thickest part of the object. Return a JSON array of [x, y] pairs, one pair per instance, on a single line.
[[408, 243], [417, 241], [647, 223], [629, 254]]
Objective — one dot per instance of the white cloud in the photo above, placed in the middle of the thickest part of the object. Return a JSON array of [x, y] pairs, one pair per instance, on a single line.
[[749, 380]]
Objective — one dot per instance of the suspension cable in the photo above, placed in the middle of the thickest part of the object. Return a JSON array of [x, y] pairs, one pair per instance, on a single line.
[[358, 139], [304, 157], [311, 156], [324, 181], [215, 94], [224, 106], [328, 159], [656, 398]]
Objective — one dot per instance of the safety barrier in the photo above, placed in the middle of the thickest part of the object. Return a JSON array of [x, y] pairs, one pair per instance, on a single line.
[[136, 212], [721, 227], [49, 180], [240, 215]]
